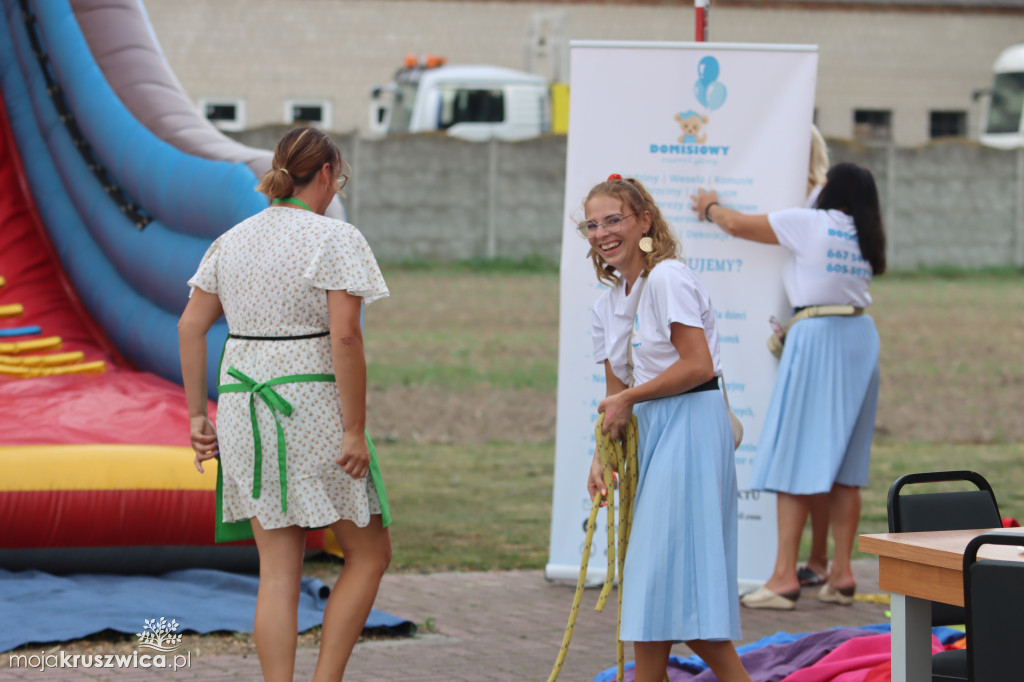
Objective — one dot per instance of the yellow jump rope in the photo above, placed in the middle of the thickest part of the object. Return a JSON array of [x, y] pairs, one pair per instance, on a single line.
[[618, 459]]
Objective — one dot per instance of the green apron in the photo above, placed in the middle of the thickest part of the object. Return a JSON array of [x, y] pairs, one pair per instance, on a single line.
[[242, 530]]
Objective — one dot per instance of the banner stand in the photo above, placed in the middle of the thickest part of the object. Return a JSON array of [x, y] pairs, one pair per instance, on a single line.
[[681, 116]]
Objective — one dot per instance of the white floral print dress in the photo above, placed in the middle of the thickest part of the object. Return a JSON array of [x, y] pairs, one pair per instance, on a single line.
[[271, 273]]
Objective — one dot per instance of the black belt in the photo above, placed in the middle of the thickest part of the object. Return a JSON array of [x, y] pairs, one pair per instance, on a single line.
[[316, 335], [815, 305], [709, 385]]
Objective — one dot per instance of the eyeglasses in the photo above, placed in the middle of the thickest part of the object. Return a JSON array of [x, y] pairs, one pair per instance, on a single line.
[[344, 174], [612, 224]]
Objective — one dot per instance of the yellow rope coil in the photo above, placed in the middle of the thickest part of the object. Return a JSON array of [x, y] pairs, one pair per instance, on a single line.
[[618, 459]]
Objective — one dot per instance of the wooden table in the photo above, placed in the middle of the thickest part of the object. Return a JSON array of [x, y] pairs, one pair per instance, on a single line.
[[919, 568]]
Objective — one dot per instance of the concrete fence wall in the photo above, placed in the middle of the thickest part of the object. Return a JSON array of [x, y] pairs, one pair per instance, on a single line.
[[952, 203], [430, 197]]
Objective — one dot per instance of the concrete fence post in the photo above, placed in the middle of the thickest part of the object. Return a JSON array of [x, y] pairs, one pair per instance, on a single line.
[[491, 245], [352, 204], [1018, 234], [890, 205]]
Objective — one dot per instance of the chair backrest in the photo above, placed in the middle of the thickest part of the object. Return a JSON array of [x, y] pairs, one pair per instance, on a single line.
[[961, 510], [994, 599], [942, 511]]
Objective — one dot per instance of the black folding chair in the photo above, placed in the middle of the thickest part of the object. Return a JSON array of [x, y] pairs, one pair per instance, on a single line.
[[994, 601], [958, 510]]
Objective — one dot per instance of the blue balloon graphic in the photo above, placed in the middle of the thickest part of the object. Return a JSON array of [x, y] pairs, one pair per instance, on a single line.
[[701, 91], [715, 95], [707, 70]]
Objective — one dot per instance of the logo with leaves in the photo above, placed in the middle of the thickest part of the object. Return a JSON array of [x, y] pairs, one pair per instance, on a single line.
[[160, 635]]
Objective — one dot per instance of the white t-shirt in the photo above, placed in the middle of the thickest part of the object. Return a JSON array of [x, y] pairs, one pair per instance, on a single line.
[[672, 293], [612, 317], [825, 266]]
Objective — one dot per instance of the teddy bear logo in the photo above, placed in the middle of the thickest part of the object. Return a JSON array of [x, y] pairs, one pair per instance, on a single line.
[[690, 122], [710, 93]]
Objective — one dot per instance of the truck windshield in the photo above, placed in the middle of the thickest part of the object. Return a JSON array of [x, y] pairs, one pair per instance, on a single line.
[[1007, 103], [401, 109], [462, 105]]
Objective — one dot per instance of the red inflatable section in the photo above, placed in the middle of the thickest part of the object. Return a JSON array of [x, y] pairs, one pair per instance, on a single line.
[[119, 406], [85, 457], [173, 517], [82, 451]]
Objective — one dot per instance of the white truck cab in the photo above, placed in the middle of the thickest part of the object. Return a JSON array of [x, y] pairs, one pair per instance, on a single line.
[[469, 102], [1004, 114]]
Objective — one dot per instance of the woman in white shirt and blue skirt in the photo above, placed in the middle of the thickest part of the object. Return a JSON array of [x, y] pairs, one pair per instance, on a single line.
[[654, 331], [816, 438]]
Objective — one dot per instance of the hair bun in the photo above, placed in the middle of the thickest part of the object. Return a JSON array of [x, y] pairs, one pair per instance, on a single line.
[[614, 176]]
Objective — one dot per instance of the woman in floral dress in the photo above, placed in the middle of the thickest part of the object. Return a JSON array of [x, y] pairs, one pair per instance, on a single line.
[[291, 416]]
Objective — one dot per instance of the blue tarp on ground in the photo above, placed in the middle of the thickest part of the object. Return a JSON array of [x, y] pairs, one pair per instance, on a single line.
[[39, 607]]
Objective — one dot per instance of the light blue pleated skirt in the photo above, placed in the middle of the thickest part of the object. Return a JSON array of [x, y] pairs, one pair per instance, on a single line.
[[821, 417], [679, 580]]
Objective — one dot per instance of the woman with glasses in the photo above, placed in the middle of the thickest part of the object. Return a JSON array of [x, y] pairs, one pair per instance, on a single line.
[[816, 438], [654, 331], [291, 416]]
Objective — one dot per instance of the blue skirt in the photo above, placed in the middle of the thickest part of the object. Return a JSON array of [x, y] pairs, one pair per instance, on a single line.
[[679, 580], [821, 417]]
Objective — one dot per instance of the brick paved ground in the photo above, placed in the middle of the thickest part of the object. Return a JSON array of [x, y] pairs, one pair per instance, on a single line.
[[489, 627]]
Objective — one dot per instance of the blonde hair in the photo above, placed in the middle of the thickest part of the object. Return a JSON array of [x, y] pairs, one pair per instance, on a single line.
[[298, 156], [636, 199], [817, 168]]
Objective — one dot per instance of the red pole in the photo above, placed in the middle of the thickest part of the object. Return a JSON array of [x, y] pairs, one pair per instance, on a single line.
[[703, 10]]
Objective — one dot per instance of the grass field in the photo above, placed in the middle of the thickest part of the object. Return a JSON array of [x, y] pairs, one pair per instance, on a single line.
[[463, 367]]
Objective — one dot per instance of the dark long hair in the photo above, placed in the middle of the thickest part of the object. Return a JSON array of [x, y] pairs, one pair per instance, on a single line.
[[851, 189]]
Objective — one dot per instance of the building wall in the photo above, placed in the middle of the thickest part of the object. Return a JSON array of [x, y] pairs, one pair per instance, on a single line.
[[911, 62], [434, 198], [871, 57]]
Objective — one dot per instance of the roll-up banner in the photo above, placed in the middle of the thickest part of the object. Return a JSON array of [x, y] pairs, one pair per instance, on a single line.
[[681, 116]]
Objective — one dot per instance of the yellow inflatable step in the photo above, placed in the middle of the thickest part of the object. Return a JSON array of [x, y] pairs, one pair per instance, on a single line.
[[17, 347], [11, 310], [19, 372], [51, 360]]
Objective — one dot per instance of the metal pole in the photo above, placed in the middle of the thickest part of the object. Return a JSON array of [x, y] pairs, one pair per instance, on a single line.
[[702, 10]]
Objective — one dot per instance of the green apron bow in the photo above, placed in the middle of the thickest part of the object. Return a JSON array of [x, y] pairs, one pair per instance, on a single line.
[[233, 531], [276, 403]]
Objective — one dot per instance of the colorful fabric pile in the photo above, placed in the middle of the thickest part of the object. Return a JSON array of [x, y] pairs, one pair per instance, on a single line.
[[836, 655]]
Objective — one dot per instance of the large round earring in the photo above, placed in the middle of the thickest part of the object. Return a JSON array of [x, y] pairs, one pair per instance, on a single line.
[[646, 244]]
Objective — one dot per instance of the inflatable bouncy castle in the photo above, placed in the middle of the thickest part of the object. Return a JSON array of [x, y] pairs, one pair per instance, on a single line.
[[112, 186]]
